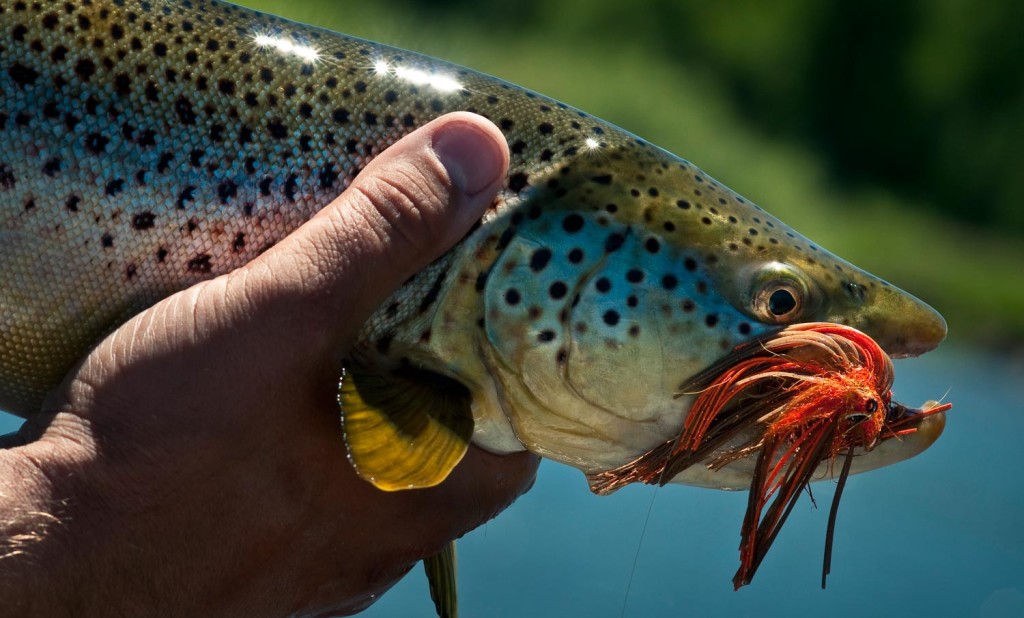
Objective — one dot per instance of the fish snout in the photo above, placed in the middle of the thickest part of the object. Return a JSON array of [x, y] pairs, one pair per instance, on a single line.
[[902, 324]]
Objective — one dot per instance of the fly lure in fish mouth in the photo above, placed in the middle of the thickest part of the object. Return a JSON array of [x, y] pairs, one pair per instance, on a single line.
[[806, 395]]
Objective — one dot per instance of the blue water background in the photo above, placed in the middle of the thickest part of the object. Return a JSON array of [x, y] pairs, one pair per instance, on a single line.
[[939, 535]]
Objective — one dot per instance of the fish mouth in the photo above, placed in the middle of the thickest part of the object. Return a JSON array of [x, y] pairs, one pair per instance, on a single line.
[[911, 432], [777, 414]]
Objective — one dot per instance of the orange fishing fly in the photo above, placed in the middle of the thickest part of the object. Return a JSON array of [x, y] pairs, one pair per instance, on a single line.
[[809, 394]]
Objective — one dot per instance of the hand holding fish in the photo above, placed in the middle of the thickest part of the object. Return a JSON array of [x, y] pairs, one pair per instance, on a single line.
[[195, 454]]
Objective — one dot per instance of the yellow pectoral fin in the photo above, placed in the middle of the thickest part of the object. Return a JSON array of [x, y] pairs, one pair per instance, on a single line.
[[405, 428]]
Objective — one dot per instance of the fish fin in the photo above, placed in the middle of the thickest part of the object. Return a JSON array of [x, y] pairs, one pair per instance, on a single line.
[[406, 428], [440, 570]]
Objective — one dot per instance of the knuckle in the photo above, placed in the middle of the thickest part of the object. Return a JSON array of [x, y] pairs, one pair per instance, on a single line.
[[407, 201]]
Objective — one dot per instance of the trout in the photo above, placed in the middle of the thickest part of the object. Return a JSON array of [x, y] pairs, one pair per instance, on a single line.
[[149, 145]]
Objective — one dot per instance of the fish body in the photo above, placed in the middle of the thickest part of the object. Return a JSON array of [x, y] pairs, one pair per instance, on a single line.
[[146, 146]]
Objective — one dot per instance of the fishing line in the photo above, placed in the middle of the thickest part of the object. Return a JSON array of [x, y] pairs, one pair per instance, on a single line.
[[639, 546]]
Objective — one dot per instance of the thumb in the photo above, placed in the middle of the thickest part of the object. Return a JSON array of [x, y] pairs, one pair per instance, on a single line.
[[408, 206]]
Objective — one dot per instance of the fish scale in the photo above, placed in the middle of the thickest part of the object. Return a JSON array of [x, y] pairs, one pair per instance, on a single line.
[[146, 146]]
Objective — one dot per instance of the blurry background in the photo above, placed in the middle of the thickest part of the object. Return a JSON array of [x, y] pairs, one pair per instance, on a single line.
[[890, 133]]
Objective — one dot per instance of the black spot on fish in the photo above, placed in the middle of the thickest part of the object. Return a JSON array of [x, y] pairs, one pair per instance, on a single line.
[[115, 186], [291, 187], [611, 317], [71, 203], [51, 167], [517, 182], [22, 75], [277, 129], [512, 297], [614, 242], [603, 285], [432, 293], [328, 176], [635, 275], [604, 179], [185, 196], [558, 290], [540, 259], [265, 185], [143, 220], [572, 223], [96, 143], [165, 162], [227, 190], [576, 255], [183, 109], [85, 69], [200, 264]]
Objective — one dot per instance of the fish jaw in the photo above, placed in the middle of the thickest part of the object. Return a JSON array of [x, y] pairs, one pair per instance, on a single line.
[[926, 429], [903, 325]]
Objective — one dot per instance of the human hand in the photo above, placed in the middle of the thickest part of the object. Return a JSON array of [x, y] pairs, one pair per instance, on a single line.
[[193, 464]]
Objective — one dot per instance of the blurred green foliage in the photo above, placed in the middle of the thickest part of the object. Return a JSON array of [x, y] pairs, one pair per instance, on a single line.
[[890, 132], [924, 96]]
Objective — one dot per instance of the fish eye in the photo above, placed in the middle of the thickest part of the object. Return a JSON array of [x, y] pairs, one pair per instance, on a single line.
[[780, 294], [871, 406], [779, 302]]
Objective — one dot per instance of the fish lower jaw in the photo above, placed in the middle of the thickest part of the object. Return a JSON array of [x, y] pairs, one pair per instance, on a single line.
[[737, 474]]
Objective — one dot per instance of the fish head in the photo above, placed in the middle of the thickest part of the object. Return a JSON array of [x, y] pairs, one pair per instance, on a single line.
[[620, 277], [796, 281]]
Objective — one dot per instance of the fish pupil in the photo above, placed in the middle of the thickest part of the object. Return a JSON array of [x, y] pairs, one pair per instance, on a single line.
[[781, 302]]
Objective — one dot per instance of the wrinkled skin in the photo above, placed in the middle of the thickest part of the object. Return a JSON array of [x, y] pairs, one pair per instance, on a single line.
[[193, 465]]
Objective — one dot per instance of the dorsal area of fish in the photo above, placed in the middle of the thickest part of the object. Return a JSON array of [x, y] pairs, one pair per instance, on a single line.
[[145, 146]]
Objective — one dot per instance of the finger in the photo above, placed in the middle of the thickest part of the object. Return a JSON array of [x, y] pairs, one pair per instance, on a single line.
[[406, 208], [486, 484]]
